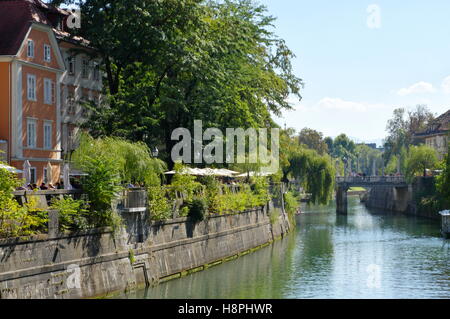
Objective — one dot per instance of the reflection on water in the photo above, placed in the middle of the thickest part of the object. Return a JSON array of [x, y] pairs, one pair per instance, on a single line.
[[367, 254]]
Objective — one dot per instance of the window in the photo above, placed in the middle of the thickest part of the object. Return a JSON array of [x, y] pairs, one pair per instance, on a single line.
[[47, 53], [49, 91], [71, 65], [45, 175], [47, 135], [31, 87], [96, 72], [30, 49], [33, 175], [31, 133], [85, 69], [71, 102]]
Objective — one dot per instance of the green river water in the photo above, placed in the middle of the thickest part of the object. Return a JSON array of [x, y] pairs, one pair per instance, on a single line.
[[367, 254]]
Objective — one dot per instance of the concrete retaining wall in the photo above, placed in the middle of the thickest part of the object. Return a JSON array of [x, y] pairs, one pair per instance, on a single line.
[[402, 199], [389, 198], [99, 262]]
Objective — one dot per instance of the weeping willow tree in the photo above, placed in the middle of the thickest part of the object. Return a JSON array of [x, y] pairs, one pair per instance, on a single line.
[[315, 172], [132, 161]]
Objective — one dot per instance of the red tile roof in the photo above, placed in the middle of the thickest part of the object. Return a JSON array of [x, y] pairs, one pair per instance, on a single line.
[[16, 17], [439, 126]]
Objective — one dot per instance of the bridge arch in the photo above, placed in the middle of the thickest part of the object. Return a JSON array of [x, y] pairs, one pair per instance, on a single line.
[[344, 183]]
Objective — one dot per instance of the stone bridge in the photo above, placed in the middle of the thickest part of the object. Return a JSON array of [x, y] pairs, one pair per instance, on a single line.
[[344, 183]]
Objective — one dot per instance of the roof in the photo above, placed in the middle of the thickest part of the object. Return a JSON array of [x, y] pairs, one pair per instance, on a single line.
[[16, 17], [440, 125]]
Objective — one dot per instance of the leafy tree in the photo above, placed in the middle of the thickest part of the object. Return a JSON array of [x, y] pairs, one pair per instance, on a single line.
[[402, 127], [443, 183], [180, 60], [344, 149], [110, 162], [420, 158], [368, 160], [132, 161], [316, 174], [330, 144], [313, 139]]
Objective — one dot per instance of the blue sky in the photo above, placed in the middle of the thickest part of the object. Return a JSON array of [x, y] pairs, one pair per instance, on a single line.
[[357, 71]]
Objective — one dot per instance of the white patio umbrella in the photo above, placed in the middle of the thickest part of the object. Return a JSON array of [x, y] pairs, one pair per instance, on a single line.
[[27, 172], [11, 169], [66, 177], [49, 174], [255, 174]]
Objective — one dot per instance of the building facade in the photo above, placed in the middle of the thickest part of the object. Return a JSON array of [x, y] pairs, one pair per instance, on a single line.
[[40, 90], [437, 134]]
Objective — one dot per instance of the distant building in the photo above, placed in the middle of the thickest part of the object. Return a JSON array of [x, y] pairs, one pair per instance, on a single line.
[[436, 134], [44, 74]]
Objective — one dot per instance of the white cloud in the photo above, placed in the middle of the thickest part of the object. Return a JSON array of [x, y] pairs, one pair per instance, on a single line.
[[417, 88], [340, 104], [446, 85]]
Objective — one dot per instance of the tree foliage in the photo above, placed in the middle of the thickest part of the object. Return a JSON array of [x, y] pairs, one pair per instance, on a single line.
[[402, 127], [132, 161], [313, 139], [443, 183], [180, 60], [420, 158], [368, 160], [17, 220]]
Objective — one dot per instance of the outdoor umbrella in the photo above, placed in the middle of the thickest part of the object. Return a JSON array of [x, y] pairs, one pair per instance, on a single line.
[[66, 177], [49, 174], [11, 169], [27, 172]]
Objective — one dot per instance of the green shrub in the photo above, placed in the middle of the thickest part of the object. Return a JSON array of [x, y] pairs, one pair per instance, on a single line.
[[16, 220], [72, 213], [443, 182], [212, 192], [158, 203], [198, 209], [102, 185], [260, 188], [291, 204], [184, 183]]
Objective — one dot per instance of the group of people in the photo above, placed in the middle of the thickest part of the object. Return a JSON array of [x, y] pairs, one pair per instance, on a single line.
[[43, 187]]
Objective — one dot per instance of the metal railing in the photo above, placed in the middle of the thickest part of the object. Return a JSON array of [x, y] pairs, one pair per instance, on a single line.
[[371, 180]]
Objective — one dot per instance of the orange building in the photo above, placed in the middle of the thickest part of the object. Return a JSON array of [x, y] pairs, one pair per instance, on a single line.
[[33, 70]]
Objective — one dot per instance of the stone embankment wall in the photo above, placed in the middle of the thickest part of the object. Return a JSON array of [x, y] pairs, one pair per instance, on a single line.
[[99, 262], [389, 198], [403, 199]]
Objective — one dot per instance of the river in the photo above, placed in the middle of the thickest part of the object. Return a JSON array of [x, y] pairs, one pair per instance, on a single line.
[[367, 254]]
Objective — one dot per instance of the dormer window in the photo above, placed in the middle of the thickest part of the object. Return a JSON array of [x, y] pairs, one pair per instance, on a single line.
[[47, 53], [30, 49]]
